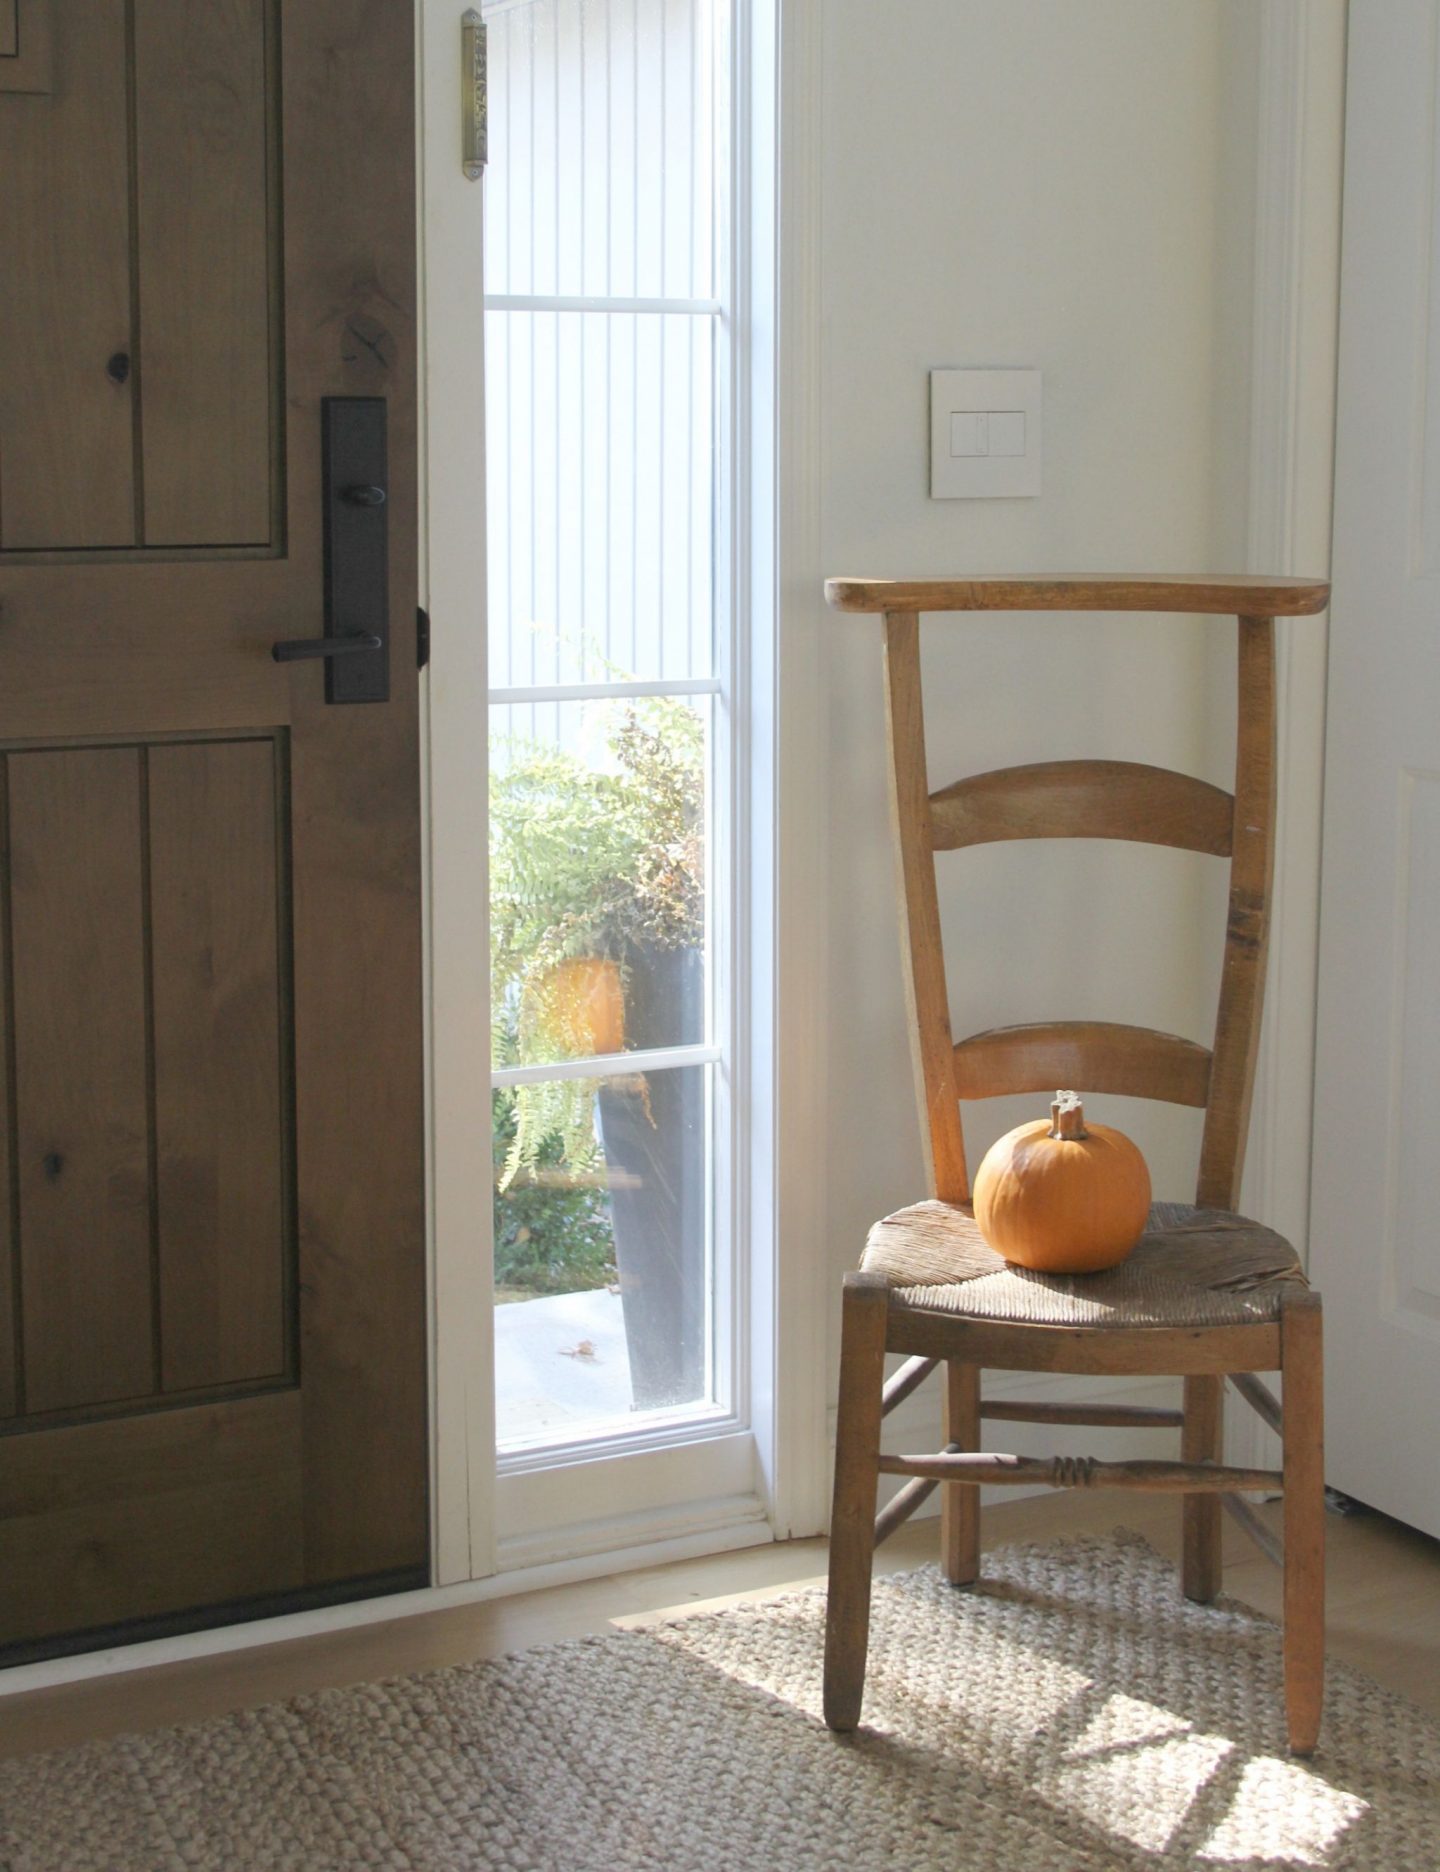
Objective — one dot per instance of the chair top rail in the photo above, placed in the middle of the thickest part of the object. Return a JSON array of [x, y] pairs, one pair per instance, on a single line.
[[1214, 595]]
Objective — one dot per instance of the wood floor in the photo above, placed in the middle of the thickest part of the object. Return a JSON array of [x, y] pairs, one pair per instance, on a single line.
[[1384, 1617]]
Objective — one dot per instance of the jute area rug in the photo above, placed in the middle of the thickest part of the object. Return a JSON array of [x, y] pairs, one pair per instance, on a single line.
[[1073, 1713]]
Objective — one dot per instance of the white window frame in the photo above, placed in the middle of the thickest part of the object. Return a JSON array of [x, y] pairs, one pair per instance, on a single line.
[[723, 1414], [761, 1471]]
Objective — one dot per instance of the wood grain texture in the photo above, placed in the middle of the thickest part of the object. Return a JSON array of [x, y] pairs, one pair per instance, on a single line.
[[127, 652], [27, 62], [926, 997], [1260, 1531], [960, 1507], [1083, 799], [994, 1469], [1301, 1335], [1105, 1350], [82, 1117], [10, 1393], [349, 126], [1247, 935], [222, 1199], [1118, 1416], [852, 1519], [1091, 1056], [901, 1505], [1260, 1398], [1255, 597], [1201, 1441], [109, 1521], [204, 256], [66, 447], [911, 1375]]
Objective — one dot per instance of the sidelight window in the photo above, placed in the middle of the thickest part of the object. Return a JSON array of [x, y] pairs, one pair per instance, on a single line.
[[608, 378]]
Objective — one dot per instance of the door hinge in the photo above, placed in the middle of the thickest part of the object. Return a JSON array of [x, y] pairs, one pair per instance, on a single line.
[[422, 636], [475, 100]]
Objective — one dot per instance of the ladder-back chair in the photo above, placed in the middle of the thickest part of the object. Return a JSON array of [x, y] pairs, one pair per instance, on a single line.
[[1205, 1295]]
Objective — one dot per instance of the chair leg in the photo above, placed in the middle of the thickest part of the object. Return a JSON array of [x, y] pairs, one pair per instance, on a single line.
[[857, 1475], [1201, 1440], [1303, 1435], [959, 1502]]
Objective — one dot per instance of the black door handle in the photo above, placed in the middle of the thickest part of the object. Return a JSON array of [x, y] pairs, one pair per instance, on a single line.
[[355, 649], [297, 649]]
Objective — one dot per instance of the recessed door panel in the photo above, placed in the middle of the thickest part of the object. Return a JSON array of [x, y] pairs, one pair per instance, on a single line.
[[81, 1099], [203, 261], [223, 1063], [154, 1209], [140, 296], [181, 1507], [66, 410]]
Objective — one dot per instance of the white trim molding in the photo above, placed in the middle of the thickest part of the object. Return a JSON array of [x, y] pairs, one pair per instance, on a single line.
[[453, 700], [789, 1293], [1298, 148]]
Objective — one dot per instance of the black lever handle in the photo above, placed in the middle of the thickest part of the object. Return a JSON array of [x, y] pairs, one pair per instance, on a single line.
[[298, 649]]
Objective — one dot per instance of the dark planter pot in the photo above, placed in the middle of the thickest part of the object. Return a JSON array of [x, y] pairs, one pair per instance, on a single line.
[[652, 1132]]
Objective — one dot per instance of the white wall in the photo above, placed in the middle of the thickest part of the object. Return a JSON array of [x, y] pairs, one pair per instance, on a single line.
[[1025, 182]]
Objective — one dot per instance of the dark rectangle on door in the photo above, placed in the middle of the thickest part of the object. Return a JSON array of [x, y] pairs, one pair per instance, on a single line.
[[140, 401], [147, 1218]]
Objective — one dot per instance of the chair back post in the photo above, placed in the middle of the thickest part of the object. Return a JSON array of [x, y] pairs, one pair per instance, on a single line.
[[1247, 931], [932, 1044]]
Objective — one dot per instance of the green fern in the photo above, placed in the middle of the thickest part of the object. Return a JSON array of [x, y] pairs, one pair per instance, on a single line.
[[586, 862]]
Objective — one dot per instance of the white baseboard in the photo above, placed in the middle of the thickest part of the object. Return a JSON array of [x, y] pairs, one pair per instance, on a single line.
[[713, 1526]]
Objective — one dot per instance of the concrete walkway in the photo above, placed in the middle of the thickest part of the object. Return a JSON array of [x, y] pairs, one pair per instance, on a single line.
[[561, 1367]]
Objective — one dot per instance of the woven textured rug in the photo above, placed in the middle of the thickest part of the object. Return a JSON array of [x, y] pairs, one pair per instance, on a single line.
[[1075, 1713]]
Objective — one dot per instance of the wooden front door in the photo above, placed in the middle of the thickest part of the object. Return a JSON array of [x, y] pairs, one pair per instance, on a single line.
[[212, 1288]]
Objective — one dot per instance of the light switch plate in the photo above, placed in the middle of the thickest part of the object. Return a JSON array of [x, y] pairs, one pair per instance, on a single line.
[[985, 434]]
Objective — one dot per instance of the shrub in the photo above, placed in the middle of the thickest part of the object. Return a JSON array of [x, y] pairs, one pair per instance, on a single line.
[[587, 862], [552, 1229]]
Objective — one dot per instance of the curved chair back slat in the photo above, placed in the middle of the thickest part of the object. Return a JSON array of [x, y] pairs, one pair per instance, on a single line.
[[1084, 799], [1099, 1056]]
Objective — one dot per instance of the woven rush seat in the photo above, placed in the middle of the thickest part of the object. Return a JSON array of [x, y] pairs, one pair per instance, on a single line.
[[1191, 1267]]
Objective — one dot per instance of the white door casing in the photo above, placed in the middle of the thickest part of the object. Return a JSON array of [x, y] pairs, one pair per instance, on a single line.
[[1375, 1213], [453, 700]]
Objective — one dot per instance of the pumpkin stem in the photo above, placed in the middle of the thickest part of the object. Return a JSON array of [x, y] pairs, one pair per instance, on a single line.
[[1067, 1116]]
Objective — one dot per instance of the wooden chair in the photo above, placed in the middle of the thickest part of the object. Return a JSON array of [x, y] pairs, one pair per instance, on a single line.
[[1206, 1295]]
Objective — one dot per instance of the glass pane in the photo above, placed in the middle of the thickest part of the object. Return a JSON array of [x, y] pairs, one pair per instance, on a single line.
[[600, 436], [601, 1252], [597, 877], [602, 132]]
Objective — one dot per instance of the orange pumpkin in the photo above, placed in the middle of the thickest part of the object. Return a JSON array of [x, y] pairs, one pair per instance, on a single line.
[[1063, 1197]]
